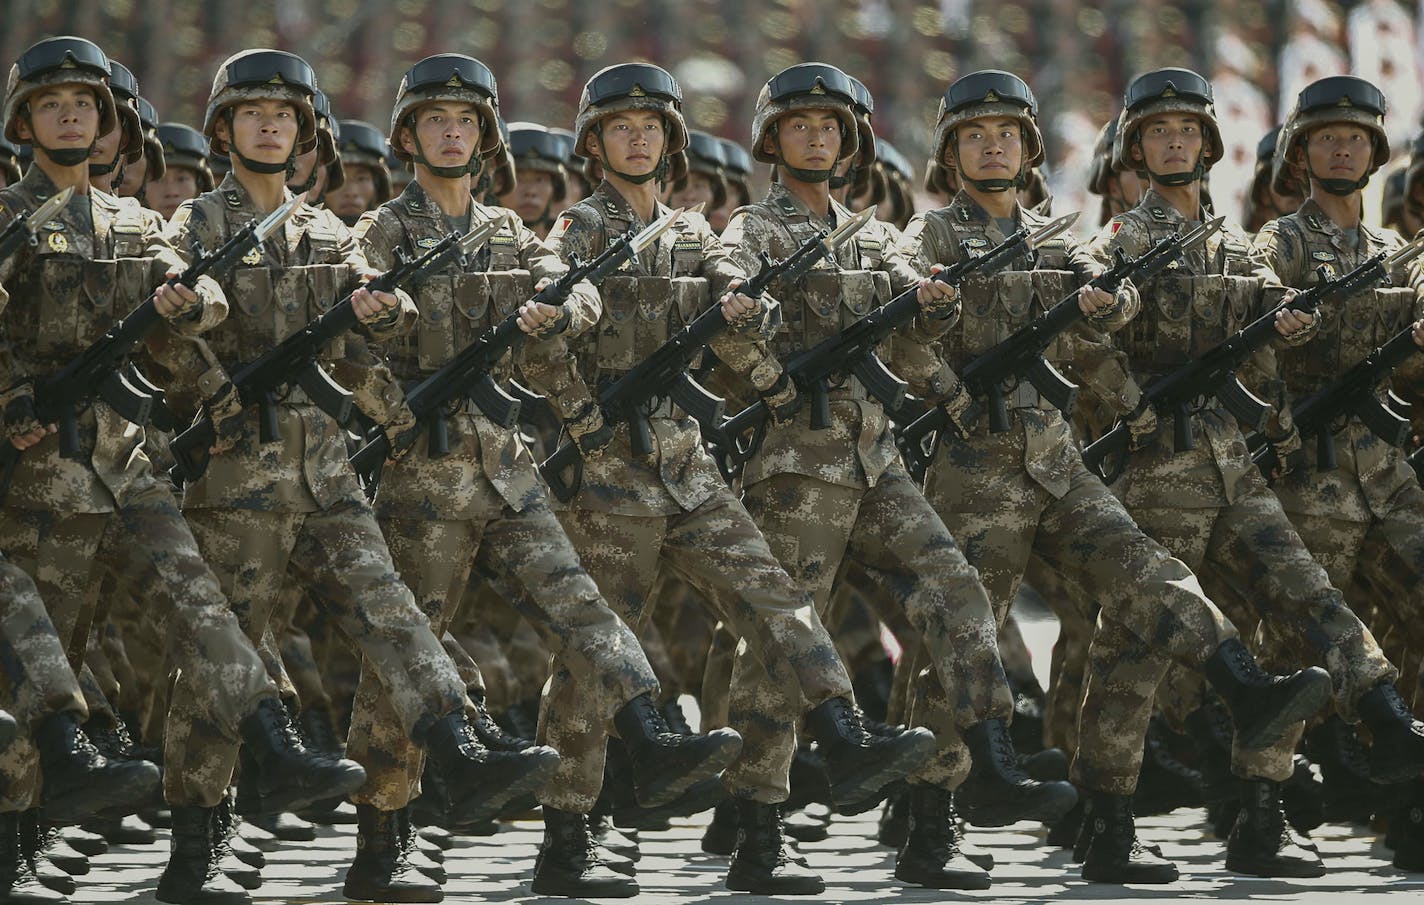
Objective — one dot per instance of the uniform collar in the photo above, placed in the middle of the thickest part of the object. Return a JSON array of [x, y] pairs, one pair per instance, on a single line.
[[417, 203], [780, 197], [613, 206], [1159, 210], [236, 198]]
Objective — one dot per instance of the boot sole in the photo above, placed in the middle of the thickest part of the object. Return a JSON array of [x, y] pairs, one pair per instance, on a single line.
[[1050, 804], [945, 880], [395, 894], [668, 791], [702, 796], [1145, 878], [855, 788], [235, 897], [293, 800], [1307, 701], [1256, 869], [142, 787], [483, 810], [604, 890], [796, 888]]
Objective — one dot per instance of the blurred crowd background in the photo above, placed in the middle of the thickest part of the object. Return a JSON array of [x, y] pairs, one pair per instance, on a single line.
[[1077, 55]]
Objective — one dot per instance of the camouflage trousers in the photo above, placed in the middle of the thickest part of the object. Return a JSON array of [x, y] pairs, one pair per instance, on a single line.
[[340, 557], [512, 656], [36, 681], [527, 552], [1067, 670], [1252, 545], [1150, 600], [906, 553], [717, 549], [685, 629], [149, 548]]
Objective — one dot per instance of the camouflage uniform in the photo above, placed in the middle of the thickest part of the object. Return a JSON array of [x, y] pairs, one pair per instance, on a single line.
[[822, 497], [261, 509], [635, 516], [64, 518], [1007, 496], [1209, 506], [1364, 520], [482, 505]]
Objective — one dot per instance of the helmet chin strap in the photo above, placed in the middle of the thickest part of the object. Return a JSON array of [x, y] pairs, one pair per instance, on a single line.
[[990, 186], [64, 157], [804, 175], [1341, 188]]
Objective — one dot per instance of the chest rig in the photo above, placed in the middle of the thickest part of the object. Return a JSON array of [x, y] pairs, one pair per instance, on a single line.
[[1193, 305], [456, 307], [645, 301], [1348, 329], [78, 283], [274, 293], [832, 295]]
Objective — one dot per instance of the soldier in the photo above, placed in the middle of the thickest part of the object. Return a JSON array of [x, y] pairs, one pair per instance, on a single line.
[[260, 509], [122, 149], [635, 515], [320, 168], [1209, 505], [154, 163], [1263, 201], [1024, 492], [368, 181], [105, 506], [1364, 519], [840, 495], [737, 171], [483, 505], [1119, 189], [186, 173], [705, 182], [541, 182]]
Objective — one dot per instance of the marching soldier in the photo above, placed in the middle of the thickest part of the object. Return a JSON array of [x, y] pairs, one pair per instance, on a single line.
[[541, 182], [186, 172], [368, 181]]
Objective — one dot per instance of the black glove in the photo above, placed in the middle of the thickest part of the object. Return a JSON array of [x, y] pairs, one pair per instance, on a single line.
[[782, 399]]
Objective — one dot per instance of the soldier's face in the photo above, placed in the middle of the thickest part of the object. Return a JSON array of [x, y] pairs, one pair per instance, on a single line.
[[533, 190], [631, 142], [448, 133], [808, 141], [106, 148], [178, 184], [355, 195], [1339, 151], [134, 175], [264, 130], [63, 116], [990, 148], [304, 165], [697, 190], [1170, 143]]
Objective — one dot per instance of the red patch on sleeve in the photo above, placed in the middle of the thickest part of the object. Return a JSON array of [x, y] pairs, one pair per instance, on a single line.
[[1117, 225]]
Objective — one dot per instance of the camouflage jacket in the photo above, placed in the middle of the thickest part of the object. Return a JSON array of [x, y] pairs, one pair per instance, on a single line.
[[993, 307], [866, 272], [488, 466], [1347, 330], [643, 304], [296, 276], [1189, 308], [91, 265]]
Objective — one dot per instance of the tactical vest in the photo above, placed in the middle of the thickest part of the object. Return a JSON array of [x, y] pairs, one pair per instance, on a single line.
[[456, 308], [1186, 314], [268, 304], [74, 300], [640, 311], [831, 296], [1348, 329]]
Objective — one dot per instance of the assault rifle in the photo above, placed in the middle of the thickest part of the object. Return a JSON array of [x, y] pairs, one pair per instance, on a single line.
[[1020, 357], [664, 373], [852, 352], [468, 373], [294, 360], [1213, 374]]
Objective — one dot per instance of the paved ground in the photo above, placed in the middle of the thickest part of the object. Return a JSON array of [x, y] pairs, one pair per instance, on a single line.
[[856, 869]]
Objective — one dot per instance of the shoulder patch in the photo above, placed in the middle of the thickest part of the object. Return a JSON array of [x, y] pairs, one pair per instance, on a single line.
[[561, 227], [1116, 225]]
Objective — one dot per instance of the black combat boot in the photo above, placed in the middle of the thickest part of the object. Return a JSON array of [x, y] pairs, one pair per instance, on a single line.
[[475, 782], [1409, 832], [79, 781], [18, 883], [36, 842], [1262, 843], [809, 780], [1348, 795], [1263, 706], [568, 862], [1303, 797], [193, 876], [860, 763], [1397, 753], [720, 837], [976, 854], [1066, 830], [243, 869], [1164, 783], [614, 846], [381, 871], [1110, 847], [290, 777], [492, 735], [415, 854], [998, 792], [894, 826], [931, 855], [761, 863], [665, 764]]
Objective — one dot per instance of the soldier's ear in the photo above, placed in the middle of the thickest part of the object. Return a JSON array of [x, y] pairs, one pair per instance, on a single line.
[[1137, 152], [221, 131], [407, 140], [594, 145], [768, 144]]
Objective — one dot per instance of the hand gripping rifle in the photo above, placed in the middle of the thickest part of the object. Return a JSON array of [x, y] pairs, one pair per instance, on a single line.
[[294, 360], [468, 373]]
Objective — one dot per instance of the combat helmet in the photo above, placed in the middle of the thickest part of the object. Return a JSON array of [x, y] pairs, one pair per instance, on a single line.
[[1165, 91], [362, 144], [806, 86], [632, 86], [1337, 99], [152, 146], [989, 93], [184, 146], [534, 147], [705, 155], [124, 86], [66, 60], [452, 77], [258, 75]]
